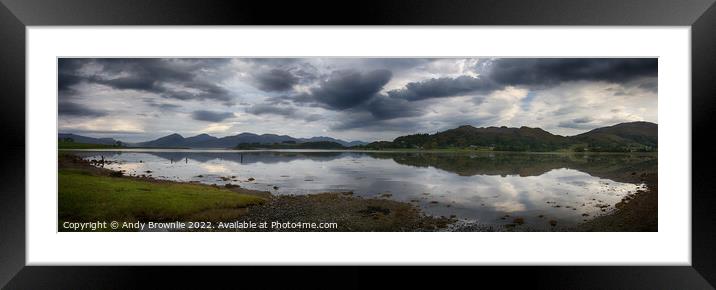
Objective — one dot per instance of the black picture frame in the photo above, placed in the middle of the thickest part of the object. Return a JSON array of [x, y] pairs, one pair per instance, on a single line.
[[16, 15]]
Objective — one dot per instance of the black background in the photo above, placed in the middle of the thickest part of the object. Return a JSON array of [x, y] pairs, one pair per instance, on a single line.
[[15, 15]]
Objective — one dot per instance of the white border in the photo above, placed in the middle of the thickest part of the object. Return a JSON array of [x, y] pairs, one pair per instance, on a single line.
[[670, 245]]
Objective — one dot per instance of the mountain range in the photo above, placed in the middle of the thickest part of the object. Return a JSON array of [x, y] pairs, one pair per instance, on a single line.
[[208, 141], [623, 137]]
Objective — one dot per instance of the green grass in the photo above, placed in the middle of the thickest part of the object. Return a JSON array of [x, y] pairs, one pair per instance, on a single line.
[[87, 197]]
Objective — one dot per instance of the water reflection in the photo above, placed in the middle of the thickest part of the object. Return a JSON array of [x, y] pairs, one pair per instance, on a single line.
[[492, 188]]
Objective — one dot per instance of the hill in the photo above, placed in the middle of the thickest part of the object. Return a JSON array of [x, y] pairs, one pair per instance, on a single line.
[[493, 138], [634, 136]]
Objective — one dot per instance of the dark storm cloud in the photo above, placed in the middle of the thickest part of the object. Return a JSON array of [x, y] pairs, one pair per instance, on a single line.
[[532, 72], [275, 80], [261, 109], [161, 106], [651, 85], [67, 73], [380, 111], [367, 122], [211, 116], [287, 112], [551, 71], [393, 63], [280, 74], [443, 87], [170, 78], [345, 89], [68, 108], [273, 62], [384, 108]]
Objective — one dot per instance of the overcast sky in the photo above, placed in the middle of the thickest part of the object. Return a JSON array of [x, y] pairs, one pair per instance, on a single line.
[[364, 99]]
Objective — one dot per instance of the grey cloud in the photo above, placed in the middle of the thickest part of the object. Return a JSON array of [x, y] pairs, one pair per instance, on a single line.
[[381, 112], [443, 87], [273, 62], [313, 117], [68, 108], [564, 111], [275, 80], [287, 112], [534, 72], [384, 108], [163, 106], [211, 116], [170, 78], [651, 85], [392, 64], [577, 124], [620, 93], [365, 121], [160, 105], [582, 120], [117, 134], [261, 109], [571, 125], [550, 71], [280, 74], [67, 75], [345, 89], [305, 72]]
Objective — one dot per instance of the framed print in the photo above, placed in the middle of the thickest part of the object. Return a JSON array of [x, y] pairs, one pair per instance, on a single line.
[[150, 134]]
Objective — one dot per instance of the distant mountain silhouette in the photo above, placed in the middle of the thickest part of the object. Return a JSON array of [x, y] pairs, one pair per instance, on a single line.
[[86, 140], [208, 141], [624, 137], [173, 140]]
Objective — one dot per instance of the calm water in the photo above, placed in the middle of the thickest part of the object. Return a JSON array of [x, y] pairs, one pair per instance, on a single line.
[[475, 187]]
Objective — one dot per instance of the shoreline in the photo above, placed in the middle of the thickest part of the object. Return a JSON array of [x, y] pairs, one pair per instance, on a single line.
[[636, 212], [219, 150], [351, 213]]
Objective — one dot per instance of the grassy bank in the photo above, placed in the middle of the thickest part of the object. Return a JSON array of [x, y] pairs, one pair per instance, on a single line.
[[88, 193], [88, 197]]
